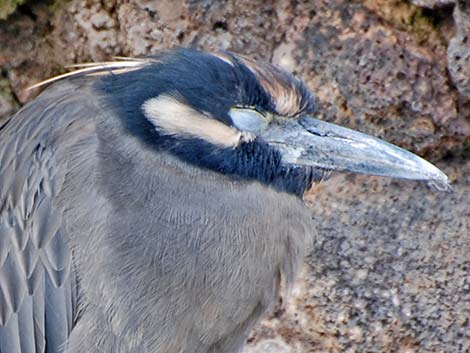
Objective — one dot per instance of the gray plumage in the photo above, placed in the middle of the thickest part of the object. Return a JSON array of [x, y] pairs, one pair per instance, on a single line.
[[170, 270]]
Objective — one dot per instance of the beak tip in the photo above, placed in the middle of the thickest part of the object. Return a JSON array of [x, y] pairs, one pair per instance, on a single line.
[[440, 183], [437, 179], [440, 186]]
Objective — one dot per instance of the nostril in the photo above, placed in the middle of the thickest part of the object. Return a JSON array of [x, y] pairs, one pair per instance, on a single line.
[[313, 127]]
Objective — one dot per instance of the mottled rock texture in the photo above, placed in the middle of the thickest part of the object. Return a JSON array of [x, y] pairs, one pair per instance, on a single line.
[[380, 66], [432, 3], [390, 270], [8, 6], [458, 53]]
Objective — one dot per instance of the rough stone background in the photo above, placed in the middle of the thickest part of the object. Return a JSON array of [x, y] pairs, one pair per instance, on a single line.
[[390, 269]]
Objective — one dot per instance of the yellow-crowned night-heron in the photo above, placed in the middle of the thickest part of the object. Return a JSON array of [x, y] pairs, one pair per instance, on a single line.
[[154, 205]]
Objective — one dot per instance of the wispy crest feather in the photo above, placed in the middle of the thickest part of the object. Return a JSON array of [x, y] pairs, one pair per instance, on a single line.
[[120, 65]]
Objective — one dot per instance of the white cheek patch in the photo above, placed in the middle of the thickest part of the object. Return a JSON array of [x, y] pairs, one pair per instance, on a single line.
[[172, 117]]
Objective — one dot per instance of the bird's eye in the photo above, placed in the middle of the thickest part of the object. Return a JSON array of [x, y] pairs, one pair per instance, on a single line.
[[248, 120]]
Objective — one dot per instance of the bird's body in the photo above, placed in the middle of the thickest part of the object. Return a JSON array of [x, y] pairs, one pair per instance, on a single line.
[[121, 233], [178, 257]]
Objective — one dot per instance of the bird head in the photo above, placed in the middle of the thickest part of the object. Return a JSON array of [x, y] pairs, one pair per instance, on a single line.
[[245, 119]]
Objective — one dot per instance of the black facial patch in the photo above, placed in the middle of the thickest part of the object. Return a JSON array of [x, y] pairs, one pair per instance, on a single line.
[[207, 84], [203, 81], [254, 160]]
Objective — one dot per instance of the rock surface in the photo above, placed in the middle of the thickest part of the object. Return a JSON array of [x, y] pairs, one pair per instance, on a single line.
[[7, 7], [379, 66], [390, 270], [458, 53], [432, 3]]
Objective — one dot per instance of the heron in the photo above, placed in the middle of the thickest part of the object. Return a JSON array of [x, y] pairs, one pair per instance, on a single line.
[[155, 204]]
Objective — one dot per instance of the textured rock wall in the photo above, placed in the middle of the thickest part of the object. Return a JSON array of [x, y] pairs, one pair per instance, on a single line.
[[390, 271]]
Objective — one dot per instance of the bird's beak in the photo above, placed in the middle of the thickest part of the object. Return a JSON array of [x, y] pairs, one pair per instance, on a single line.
[[311, 142]]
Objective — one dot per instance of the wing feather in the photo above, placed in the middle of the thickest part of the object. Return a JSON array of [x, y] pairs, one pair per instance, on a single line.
[[37, 282], [26, 325], [10, 336]]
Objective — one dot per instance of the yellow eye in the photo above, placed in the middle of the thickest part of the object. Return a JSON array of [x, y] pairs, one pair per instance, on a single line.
[[249, 120]]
